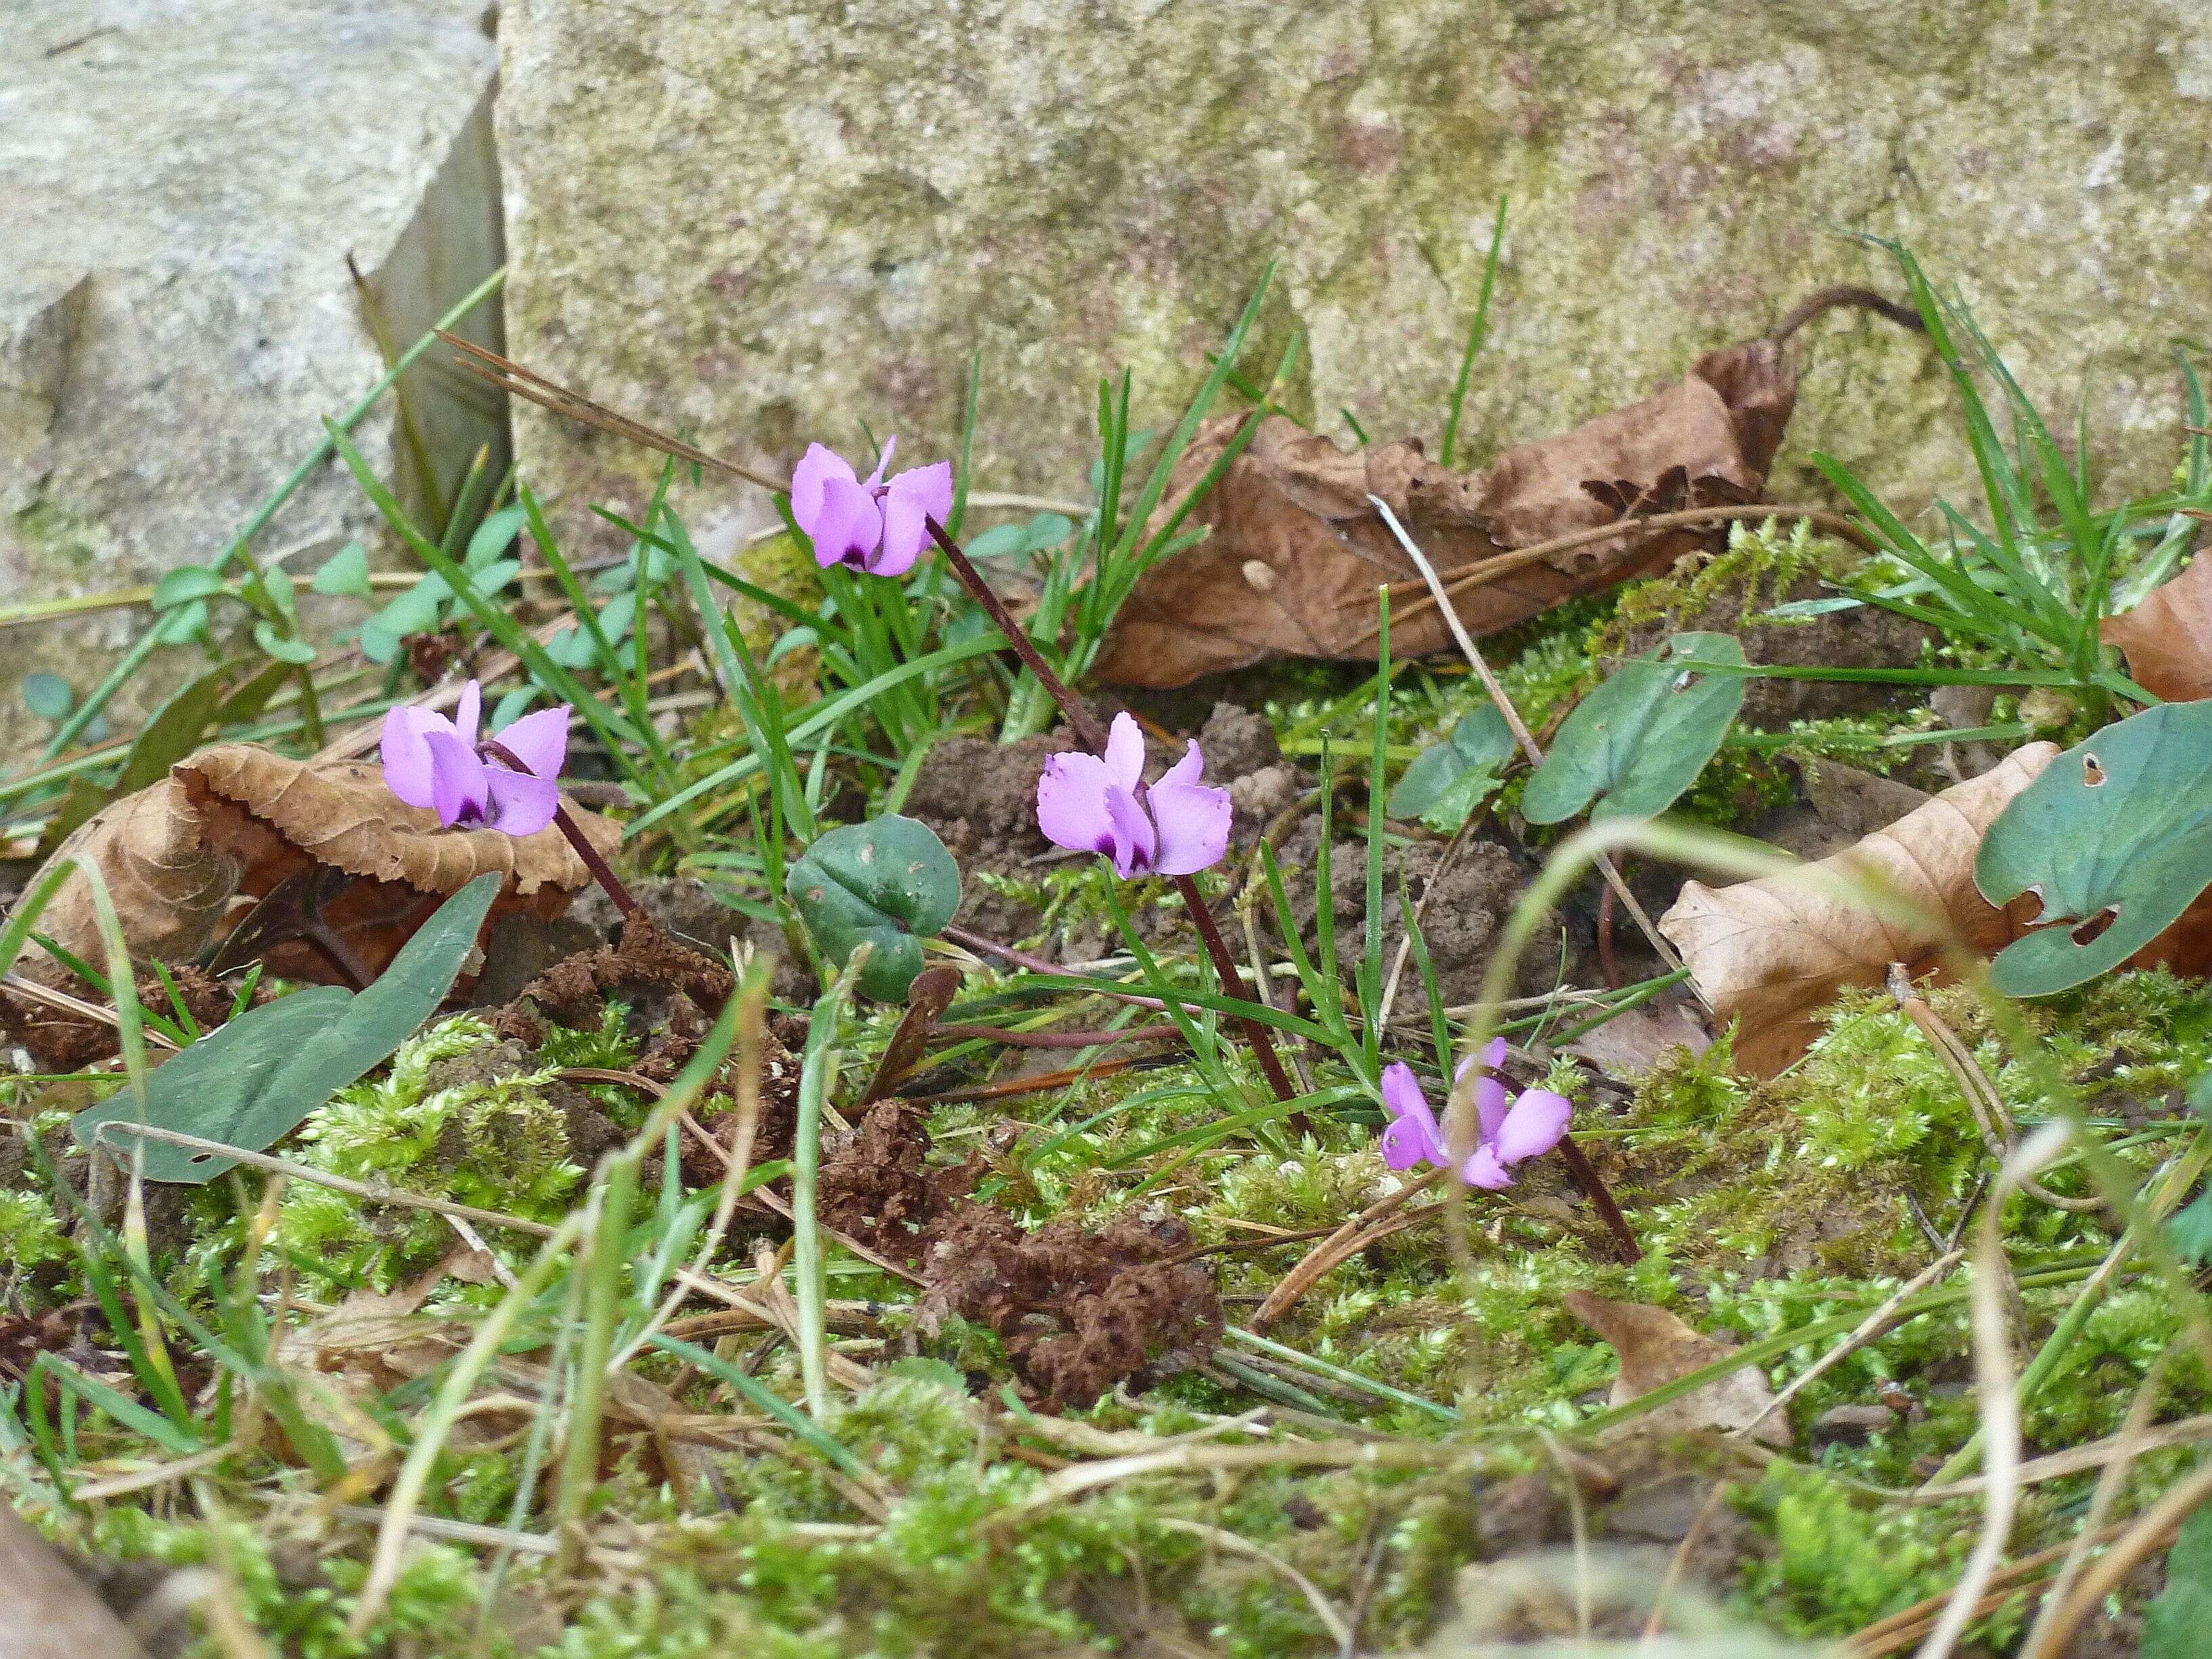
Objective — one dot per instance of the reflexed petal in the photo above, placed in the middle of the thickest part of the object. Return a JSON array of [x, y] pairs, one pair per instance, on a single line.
[[1491, 1057], [1124, 752], [1070, 802], [848, 526], [816, 469], [924, 491], [539, 741], [406, 752], [457, 779], [1194, 826], [466, 713], [1484, 1170], [521, 803], [1136, 841], [1534, 1125], [1406, 1146], [1188, 770], [882, 460], [1489, 1107]]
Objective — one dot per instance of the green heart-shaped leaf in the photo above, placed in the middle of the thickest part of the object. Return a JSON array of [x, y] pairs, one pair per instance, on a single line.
[[48, 696], [1635, 743], [883, 884], [2115, 836], [1447, 781], [251, 1082]]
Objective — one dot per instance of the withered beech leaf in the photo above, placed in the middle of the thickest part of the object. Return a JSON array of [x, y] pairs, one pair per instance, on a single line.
[[1770, 953], [186, 858], [168, 885], [1656, 1348], [1297, 551], [2167, 639]]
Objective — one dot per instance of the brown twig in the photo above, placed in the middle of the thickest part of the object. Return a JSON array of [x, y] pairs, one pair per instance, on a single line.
[[1089, 733], [1341, 1246]]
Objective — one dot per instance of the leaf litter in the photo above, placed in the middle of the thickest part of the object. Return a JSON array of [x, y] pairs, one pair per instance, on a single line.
[[1098, 1250]]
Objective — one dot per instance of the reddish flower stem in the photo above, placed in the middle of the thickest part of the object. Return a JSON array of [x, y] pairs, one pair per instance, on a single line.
[[1093, 736], [1595, 1190], [611, 883]]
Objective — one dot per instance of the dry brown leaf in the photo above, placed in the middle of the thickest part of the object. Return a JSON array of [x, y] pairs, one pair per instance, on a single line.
[[1297, 551], [1770, 953], [51, 1611], [2167, 639], [185, 857], [1656, 1348], [1639, 1039]]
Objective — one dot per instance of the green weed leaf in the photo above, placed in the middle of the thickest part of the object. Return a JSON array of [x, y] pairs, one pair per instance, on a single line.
[[1447, 781], [2175, 1629], [345, 572], [252, 1082], [48, 696], [187, 583], [2116, 836], [276, 645], [882, 883], [1635, 743]]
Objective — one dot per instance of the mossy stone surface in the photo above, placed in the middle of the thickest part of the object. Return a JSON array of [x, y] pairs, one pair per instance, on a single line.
[[760, 224]]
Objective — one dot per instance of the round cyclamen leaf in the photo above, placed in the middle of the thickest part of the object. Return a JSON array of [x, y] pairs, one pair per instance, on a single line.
[[887, 883], [48, 696], [1635, 743], [1449, 779], [2116, 836]]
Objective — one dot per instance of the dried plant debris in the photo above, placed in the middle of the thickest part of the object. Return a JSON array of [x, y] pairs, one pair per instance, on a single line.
[[1296, 549], [1656, 1348], [2167, 638], [186, 858], [671, 992], [63, 1041]]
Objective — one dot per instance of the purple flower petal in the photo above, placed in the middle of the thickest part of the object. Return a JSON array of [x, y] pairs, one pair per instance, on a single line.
[[882, 460], [1124, 752], [466, 713], [539, 741], [1489, 1107], [1136, 841], [849, 526], [406, 752], [815, 470], [458, 790], [521, 803], [927, 491], [1194, 825], [1534, 1125], [1484, 1170], [1071, 801], [1412, 1137]]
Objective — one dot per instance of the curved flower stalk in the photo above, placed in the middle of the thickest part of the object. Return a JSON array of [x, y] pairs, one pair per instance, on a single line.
[[510, 782], [872, 525], [1099, 804], [1507, 1132]]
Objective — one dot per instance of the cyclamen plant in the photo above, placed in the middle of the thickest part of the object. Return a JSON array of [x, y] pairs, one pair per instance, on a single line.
[[868, 526], [509, 782]]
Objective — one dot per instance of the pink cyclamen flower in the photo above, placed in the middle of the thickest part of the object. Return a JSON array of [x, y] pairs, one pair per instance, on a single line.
[[1505, 1134], [1089, 804], [430, 761], [873, 526]]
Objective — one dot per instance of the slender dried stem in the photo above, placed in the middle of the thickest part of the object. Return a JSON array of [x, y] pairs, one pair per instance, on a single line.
[[1093, 736]]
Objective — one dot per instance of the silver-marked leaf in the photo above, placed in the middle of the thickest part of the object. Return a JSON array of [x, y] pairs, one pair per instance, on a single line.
[[1447, 781], [1634, 744], [2115, 836], [251, 1082], [887, 883]]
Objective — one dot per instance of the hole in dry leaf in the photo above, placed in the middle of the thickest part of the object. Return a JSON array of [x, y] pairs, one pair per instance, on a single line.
[[2089, 930], [2093, 771]]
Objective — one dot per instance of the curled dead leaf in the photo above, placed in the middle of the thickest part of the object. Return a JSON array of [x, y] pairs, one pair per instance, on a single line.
[[1656, 1348], [1770, 953], [185, 858], [1297, 549], [52, 1611], [2167, 639]]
